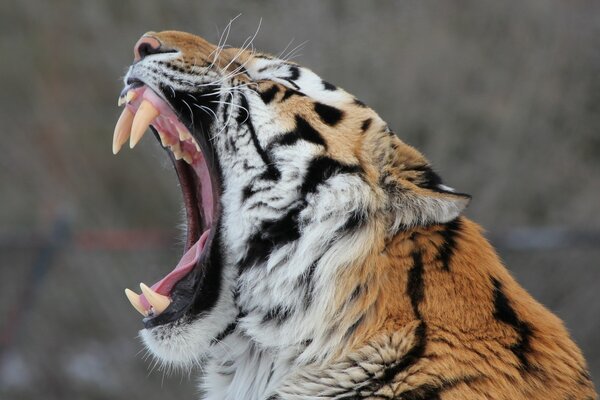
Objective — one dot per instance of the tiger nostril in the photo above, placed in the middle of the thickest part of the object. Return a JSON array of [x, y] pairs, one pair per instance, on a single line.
[[145, 47]]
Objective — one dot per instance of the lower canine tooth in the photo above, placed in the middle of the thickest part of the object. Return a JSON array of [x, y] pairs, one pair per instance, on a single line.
[[135, 301], [143, 117], [156, 300]]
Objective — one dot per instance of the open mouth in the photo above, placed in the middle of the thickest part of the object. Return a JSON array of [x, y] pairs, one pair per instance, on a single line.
[[172, 296]]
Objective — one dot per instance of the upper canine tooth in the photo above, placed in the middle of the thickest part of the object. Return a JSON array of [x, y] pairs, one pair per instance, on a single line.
[[122, 130], [143, 117], [156, 300], [135, 301]]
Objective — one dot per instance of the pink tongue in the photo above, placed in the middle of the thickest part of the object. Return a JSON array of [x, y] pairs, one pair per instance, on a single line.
[[185, 265]]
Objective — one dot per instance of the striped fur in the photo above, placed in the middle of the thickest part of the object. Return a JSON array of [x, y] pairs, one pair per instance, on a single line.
[[347, 270]]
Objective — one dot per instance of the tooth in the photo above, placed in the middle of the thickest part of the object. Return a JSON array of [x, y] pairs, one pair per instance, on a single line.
[[135, 301], [163, 138], [197, 146], [121, 101], [183, 134], [131, 95], [122, 130], [176, 149], [143, 117], [158, 301], [187, 157]]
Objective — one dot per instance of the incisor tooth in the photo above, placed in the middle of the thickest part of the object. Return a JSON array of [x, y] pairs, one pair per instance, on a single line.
[[183, 135], [131, 95], [121, 101], [143, 117], [187, 157], [176, 150], [135, 301], [122, 130], [163, 138], [157, 301]]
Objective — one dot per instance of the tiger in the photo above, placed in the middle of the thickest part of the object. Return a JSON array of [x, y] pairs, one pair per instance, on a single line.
[[324, 257]]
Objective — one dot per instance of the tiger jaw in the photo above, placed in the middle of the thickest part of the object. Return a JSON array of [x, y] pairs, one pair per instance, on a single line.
[[144, 108]]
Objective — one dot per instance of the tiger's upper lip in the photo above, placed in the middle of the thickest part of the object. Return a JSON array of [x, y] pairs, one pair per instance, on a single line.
[[132, 83]]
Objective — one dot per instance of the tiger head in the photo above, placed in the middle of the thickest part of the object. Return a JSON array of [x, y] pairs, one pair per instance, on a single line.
[[292, 187]]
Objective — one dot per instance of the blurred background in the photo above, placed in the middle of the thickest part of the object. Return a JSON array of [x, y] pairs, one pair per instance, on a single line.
[[502, 96]]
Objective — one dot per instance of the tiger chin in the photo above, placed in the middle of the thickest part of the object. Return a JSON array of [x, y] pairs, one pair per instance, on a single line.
[[324, 257]]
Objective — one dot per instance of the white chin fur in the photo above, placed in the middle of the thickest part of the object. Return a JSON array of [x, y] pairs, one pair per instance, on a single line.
[[186, 344], [177, 346]]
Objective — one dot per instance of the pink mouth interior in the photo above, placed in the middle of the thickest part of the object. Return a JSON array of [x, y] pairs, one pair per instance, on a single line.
[[168, 124]]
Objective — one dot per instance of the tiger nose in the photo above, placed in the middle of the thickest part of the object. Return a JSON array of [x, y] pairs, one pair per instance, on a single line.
[[144, 47]]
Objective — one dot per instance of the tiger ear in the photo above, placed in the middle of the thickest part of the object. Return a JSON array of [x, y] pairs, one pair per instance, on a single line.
[[417, 206]]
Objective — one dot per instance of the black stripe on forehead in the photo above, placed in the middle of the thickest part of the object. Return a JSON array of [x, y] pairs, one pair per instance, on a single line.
[[328, 114], [302, 131]]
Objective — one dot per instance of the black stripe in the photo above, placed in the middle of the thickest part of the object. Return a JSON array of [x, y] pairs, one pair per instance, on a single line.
[[303, 131], [430, 391], [247, 192], [328, 114], [328, 86], [355, 293], [279, 314], [291, 92], [414, 284], [356, 220], [294, 73], [354, 327], [322, 168], [271, 373], [240, 69], [366, 124], [410, 358], [423, 392], [446, 250], [266, 67], [271, 234], [228, 331], [271, 172], [359, 103], [291, 82], [504, 312], [428, 178], [306, 282], [268, 95]]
